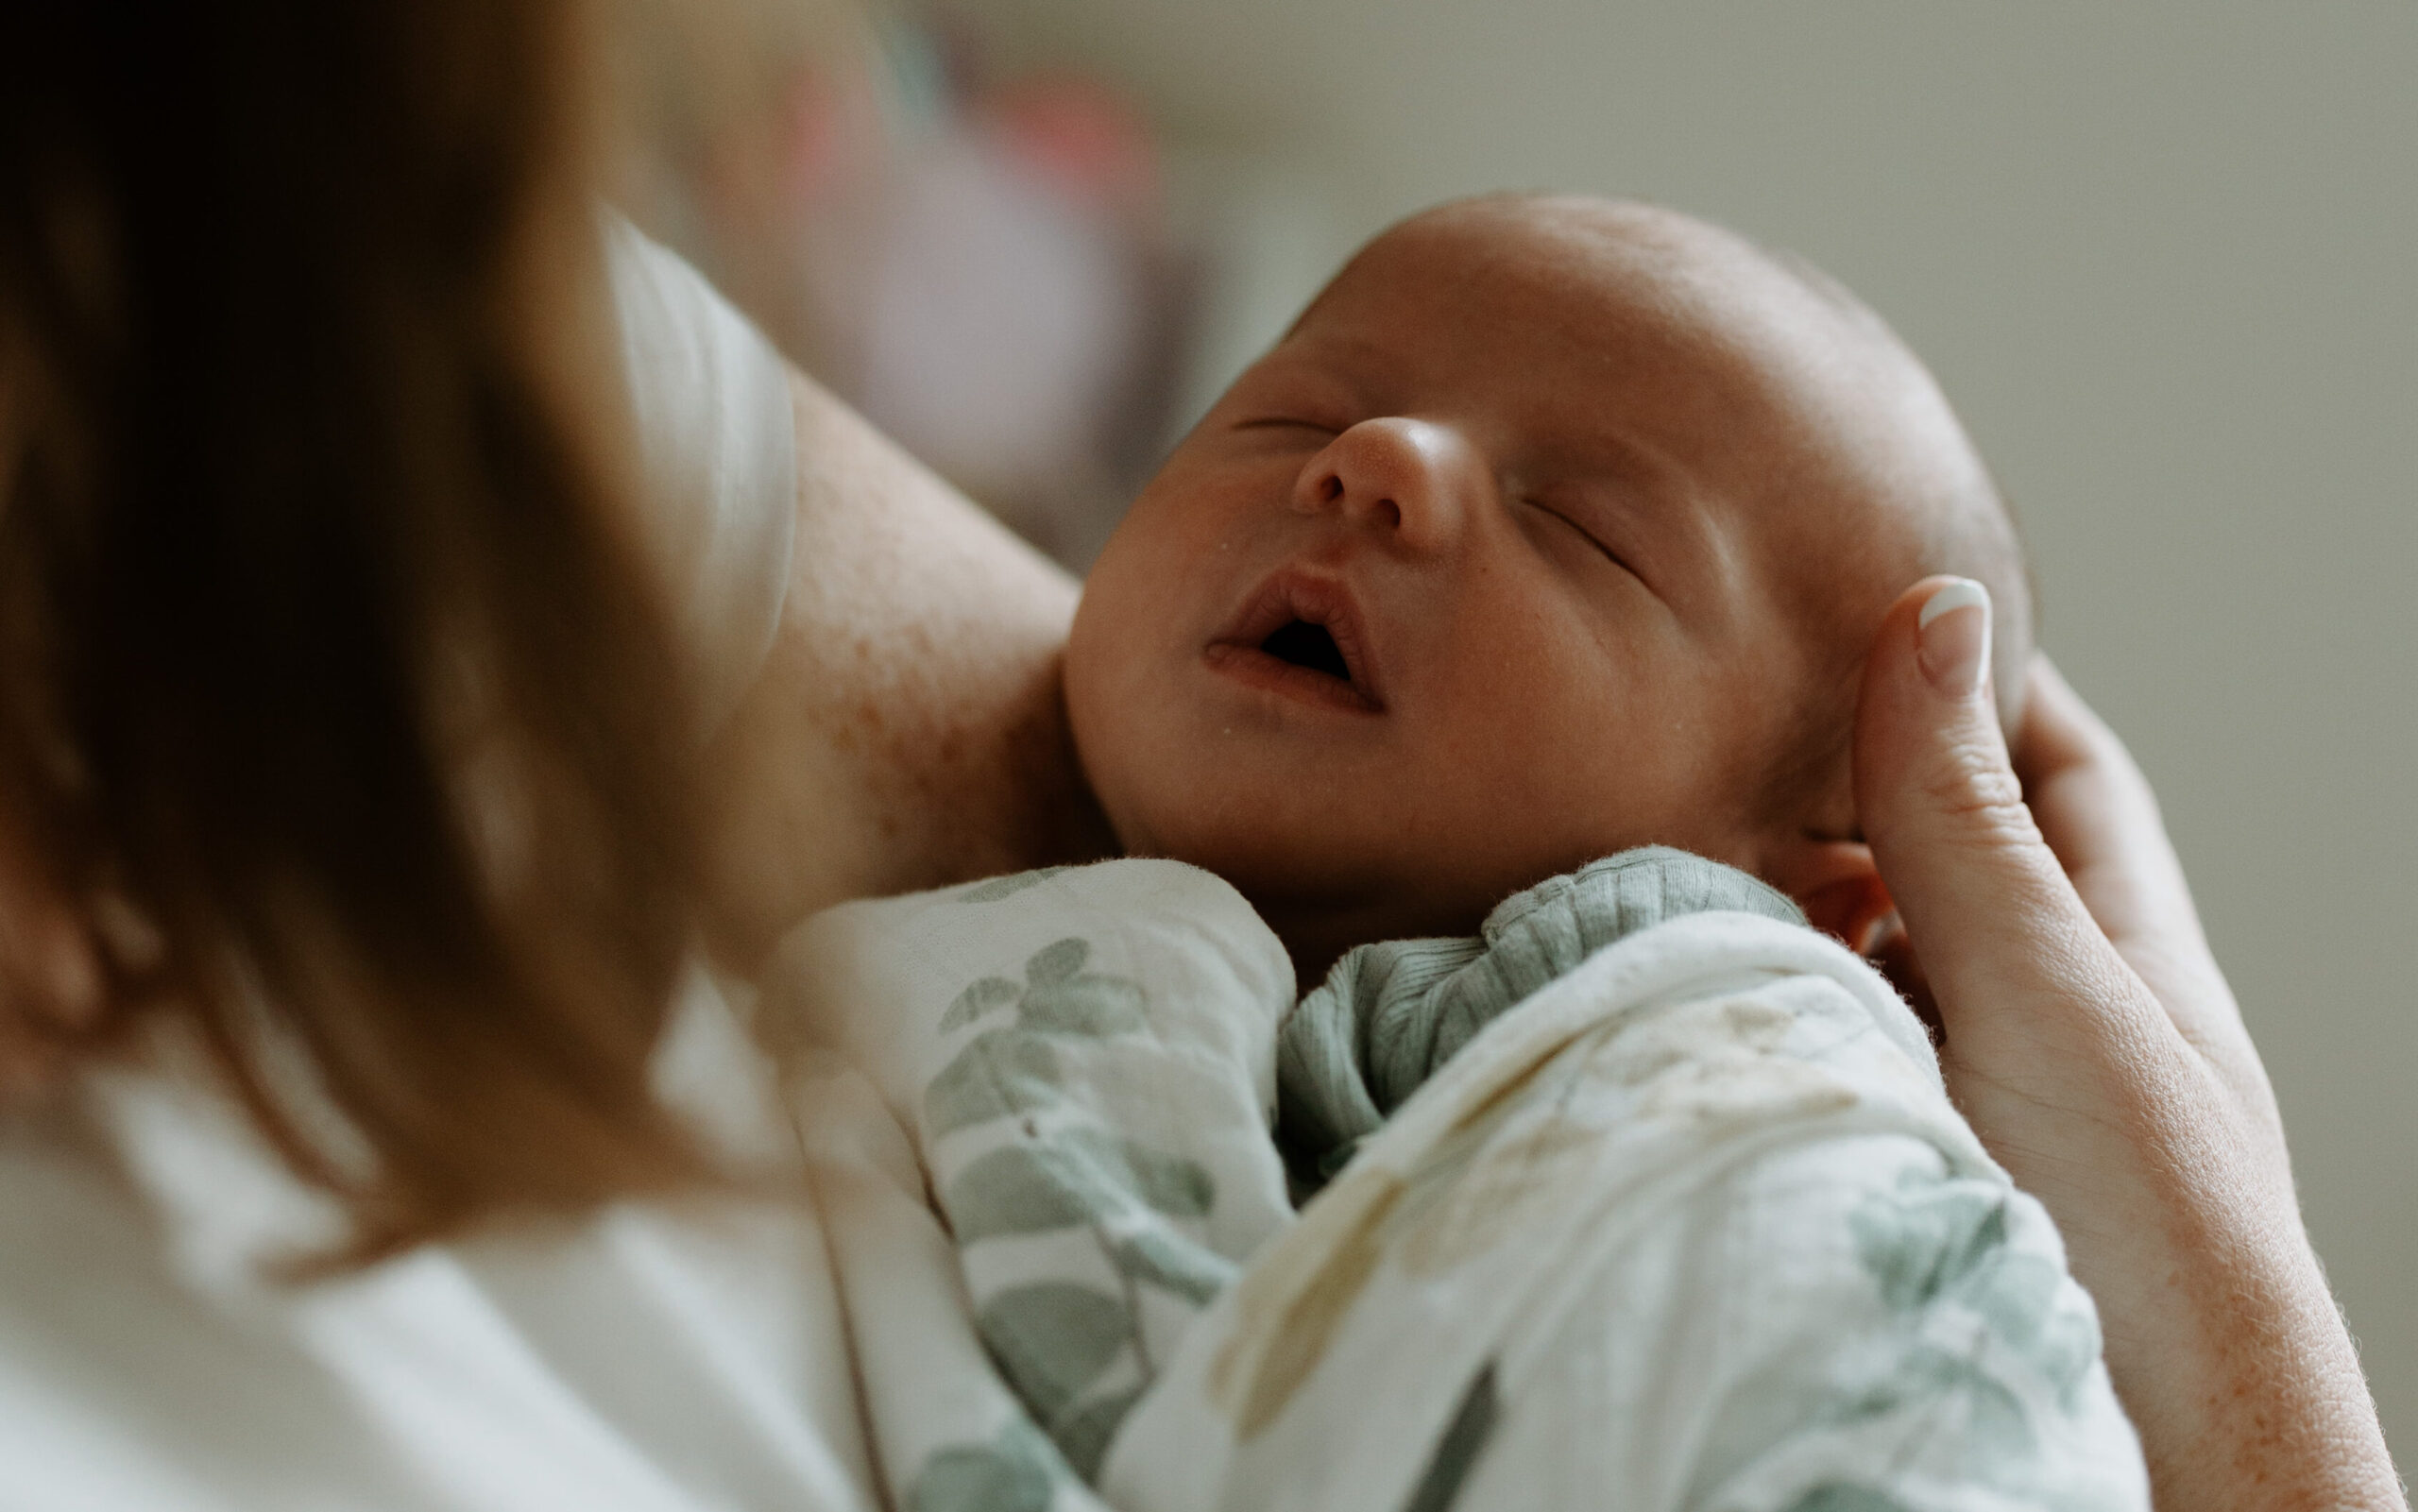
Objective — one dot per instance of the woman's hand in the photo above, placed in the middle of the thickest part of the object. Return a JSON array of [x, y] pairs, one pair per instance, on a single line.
[[2097, 1050]]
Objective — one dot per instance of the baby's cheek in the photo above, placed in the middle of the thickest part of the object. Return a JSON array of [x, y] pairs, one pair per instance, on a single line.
[[1605, 779], [1099, 708]]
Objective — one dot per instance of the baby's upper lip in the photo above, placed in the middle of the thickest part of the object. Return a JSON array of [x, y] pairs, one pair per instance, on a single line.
[[1292, 594]]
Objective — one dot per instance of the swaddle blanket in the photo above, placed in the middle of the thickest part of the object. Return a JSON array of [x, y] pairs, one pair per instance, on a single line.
[[1690, 1223], [1084, 1062]]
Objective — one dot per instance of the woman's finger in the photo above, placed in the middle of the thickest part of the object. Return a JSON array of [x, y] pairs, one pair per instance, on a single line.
[[2098, 816], [1986, 904], [2101, 819]]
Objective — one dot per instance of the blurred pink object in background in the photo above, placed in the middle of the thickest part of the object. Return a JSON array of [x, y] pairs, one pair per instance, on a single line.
[[986, 273]]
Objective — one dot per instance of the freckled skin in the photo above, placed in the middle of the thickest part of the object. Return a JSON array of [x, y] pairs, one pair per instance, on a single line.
[[1617, 503], [908, 729]]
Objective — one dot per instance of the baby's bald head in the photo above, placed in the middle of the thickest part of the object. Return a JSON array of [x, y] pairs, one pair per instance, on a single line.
[[1848, 460]]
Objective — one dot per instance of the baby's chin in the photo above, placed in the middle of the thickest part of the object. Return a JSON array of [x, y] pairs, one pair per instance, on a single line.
[[1326, 896], [1284, 878]]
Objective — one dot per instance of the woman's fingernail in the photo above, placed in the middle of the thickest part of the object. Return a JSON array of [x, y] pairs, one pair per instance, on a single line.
[[1953, 636]]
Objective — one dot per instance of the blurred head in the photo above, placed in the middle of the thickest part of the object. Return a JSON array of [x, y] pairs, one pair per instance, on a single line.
[[323, 657], [1554, 526]]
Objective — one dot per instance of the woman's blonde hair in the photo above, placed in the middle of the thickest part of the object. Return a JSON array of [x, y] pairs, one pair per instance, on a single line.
[[323, 652]]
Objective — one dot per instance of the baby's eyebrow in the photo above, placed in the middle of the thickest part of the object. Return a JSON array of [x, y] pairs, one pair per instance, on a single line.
[[1295, 362], [1349, 353], [1605, 450], [1602, 456]]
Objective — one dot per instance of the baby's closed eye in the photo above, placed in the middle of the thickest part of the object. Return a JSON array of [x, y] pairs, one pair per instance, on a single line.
[[1287, 422], [1572, 523]]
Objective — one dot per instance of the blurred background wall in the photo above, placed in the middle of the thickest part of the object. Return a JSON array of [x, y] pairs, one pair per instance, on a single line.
[[2163, 256]]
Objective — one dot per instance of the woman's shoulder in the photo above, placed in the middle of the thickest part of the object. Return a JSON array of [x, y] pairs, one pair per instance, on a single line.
[[714, 423], [880, 657]]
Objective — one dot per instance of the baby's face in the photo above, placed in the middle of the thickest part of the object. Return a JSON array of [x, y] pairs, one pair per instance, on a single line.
[[1541, 535]]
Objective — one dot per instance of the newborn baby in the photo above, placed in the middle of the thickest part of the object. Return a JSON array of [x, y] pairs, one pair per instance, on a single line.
[[1494, 641], [1553, 528]]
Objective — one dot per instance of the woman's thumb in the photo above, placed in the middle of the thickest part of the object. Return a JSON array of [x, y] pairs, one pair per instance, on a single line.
[[1987, 907]]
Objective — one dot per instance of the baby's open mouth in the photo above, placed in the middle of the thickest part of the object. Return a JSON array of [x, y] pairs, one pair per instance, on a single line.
[[1301, 635], [1303, 644]]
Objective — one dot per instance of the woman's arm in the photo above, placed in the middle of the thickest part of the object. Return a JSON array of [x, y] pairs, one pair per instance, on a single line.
[[2098, 1051], [908, 728]]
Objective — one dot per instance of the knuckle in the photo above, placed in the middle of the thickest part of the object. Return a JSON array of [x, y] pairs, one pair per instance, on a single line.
[[1984, 800]]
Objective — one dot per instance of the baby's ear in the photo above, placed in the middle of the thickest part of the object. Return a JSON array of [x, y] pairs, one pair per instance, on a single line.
[[1836, 884]]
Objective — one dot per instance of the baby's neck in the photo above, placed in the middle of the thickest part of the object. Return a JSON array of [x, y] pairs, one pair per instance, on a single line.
[[1317, 934]]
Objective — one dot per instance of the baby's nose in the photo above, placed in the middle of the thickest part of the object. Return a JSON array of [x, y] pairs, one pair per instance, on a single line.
[[1411, 479]]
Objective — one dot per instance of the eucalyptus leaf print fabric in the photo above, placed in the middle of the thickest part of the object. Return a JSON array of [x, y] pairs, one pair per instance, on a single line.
[[1085, 1058]]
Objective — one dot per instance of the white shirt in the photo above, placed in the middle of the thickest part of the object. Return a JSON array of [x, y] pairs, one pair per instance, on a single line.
[[644, 1359]]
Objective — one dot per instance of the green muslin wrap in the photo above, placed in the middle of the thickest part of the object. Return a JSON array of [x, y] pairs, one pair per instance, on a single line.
[[1389, 1014]]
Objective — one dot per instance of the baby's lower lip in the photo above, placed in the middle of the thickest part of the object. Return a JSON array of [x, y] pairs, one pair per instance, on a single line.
[[1255, 668]]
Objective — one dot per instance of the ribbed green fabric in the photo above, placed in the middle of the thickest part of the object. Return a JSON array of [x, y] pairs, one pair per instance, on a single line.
[[1390, 1013]]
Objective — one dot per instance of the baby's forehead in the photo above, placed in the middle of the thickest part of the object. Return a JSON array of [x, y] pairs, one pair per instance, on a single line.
[[1636, 269]]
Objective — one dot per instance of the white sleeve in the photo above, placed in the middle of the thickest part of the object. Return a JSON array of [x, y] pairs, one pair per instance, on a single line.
[[717, 436]]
